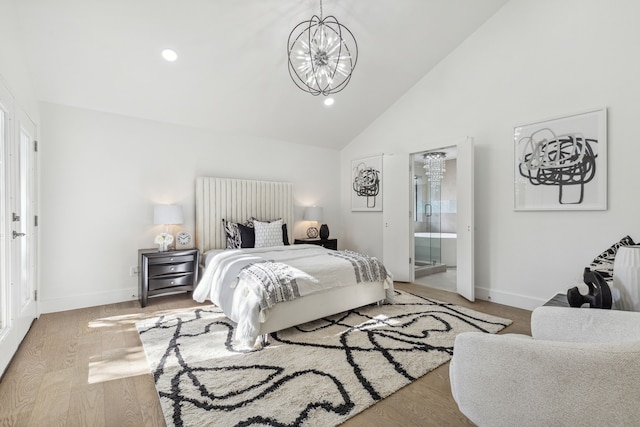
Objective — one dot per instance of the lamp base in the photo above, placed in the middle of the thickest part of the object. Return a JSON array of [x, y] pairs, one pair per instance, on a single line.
[[312, 232]]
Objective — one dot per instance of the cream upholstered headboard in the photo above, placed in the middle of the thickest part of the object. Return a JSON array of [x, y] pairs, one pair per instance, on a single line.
[[237, 200]]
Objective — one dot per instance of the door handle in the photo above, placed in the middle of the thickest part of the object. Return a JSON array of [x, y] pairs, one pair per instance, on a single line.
[[16, 234]]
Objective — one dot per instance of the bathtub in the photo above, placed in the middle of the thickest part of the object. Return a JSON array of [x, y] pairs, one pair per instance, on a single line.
[[446, 241]]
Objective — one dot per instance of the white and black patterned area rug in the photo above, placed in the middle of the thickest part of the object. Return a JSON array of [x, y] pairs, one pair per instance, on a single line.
[[319, 373]]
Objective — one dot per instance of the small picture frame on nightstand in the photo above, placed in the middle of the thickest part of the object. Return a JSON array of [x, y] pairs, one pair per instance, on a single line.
[[184, 240]]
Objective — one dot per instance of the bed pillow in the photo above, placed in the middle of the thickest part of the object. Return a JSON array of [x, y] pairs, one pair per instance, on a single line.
[[252, 219], [268, 233], [285, 234], [603, 263], [247, 236], [234, 241]]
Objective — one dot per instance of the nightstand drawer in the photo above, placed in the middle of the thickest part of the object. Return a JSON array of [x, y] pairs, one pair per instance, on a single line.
[[169, 259], [162, 269], [170, 282]]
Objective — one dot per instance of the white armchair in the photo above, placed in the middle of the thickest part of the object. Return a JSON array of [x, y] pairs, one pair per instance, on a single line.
[[581, 367]]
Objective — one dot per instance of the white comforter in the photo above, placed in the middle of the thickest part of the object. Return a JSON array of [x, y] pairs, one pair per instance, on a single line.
[[240, 300]]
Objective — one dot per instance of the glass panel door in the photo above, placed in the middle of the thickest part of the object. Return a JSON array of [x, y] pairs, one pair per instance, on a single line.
[[434, 221]]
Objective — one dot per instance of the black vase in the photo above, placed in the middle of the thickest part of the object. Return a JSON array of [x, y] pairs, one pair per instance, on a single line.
[[324, 231]]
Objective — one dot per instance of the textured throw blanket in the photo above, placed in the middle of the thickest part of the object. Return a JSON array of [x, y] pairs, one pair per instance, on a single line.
[[278, 281], [366, 268]]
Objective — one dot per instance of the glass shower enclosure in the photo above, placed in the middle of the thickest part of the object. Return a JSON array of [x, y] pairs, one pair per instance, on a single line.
[[428, 171]]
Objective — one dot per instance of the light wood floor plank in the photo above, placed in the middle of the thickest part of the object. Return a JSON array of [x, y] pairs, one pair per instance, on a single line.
[[88, 367], [51, 406], [149, 401], [87, 406], [121, 403]]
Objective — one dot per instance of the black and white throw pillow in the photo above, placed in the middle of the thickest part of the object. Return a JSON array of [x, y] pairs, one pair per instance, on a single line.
[[234, 240], [603, 263]]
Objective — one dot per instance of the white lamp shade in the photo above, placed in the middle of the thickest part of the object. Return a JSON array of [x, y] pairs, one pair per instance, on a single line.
[[167, 214], [313, 213]]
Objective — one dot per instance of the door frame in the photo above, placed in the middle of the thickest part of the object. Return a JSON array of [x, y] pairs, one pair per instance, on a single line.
[[398, 244]]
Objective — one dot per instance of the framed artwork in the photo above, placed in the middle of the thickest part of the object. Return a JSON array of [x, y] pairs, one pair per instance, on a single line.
[[366, 184], [561, 163]]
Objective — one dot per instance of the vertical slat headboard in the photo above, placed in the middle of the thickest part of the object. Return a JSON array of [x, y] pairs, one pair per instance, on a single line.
[[237, 200]]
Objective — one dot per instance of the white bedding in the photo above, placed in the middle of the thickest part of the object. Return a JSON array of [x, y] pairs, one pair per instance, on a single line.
[[240, 300]]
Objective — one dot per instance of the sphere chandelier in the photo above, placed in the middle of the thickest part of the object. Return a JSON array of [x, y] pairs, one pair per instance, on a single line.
[[322, 55]]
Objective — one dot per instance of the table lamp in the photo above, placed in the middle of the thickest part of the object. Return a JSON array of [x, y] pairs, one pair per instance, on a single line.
[[167, 215], [314, 213]]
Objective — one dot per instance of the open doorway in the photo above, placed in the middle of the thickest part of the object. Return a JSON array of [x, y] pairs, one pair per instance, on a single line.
[[398, 228], [435, 217]]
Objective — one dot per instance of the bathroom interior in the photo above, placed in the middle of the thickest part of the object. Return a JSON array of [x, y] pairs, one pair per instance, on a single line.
[[434, 195]]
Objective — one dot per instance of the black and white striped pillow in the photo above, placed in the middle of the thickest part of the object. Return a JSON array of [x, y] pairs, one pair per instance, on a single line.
[[603, 263]]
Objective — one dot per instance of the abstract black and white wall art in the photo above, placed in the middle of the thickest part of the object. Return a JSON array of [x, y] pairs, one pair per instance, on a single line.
[[366, 184], [561, 163]]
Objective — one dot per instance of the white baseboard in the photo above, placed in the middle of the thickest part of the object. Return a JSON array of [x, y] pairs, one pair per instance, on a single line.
[[53, 305], [73, 302], [507, 298]]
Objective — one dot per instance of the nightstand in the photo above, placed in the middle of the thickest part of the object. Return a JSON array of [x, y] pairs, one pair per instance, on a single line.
[[327, 243], [164, 272], [560, 300]]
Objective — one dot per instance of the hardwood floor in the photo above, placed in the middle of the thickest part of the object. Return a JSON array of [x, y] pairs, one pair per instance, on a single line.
[[87, 368]]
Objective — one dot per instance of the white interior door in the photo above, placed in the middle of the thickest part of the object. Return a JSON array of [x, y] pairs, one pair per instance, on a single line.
[[18, 238], [23, 234], [8, 334], [464, 220], [397, 216]]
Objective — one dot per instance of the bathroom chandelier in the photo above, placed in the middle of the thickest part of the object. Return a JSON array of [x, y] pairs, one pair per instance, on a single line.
[[322, 55], [434, 166]]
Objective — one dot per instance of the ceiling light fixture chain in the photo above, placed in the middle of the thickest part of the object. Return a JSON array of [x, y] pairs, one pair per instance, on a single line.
[[322, 54]]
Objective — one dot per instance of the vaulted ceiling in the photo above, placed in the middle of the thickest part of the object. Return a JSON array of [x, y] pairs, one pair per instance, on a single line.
[[231, 74]]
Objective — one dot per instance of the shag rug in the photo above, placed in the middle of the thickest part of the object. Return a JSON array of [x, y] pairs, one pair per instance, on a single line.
[[319, 373]]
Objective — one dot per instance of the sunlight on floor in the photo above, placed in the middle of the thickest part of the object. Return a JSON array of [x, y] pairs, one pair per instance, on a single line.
[[116, 364]]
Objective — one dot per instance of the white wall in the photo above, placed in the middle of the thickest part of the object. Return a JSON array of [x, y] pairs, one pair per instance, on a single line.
[[532, 60], [13, 70], [102, 174]]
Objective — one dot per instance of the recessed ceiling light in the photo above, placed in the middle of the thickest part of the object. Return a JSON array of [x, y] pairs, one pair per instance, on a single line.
[[328, 101], [169, 54]]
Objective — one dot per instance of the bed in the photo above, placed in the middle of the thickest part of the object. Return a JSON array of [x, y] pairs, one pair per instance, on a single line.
[[326, 282]]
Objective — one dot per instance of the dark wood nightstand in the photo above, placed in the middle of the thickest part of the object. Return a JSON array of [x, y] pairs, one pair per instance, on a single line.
[[560, 300], [164, 272], [327, 243]]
